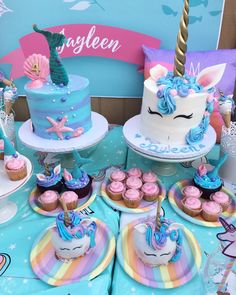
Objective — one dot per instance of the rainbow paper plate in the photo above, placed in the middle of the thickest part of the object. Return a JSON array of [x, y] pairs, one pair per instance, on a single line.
[[82, 203], [175, 196], [120, 205], [5, 261], [54, 272], [165, 277]]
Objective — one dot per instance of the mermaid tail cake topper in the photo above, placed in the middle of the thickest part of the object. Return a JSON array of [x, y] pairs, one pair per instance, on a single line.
[[57, 71], [79, 161], [214, 172]]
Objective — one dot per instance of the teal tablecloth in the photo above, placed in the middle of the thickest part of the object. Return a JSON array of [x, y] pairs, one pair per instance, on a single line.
[[17, 235]]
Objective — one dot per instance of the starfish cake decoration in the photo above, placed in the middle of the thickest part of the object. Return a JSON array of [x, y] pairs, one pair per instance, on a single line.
[[58, 127]]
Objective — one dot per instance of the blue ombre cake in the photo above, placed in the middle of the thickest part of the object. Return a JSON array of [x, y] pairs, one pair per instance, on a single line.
[[59, 105], [58, 111]]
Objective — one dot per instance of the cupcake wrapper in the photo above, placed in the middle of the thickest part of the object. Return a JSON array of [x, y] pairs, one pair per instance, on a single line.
[[48, 206], [17, 175], [115, 196], [191, 212], [150, 198], [210, 217], [72, 205]]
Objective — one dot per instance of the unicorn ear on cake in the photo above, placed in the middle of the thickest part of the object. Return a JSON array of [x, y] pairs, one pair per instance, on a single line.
[[210, 76]]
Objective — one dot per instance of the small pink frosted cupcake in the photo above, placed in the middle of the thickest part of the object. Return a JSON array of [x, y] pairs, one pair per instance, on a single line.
[[211, 211], [222, 199], [134, 172], [115, 190], [134, 182], [118, 175], [150, 191], [48, 201], [191, 191], [70, 198], [192, 206], [149, 177], [16, 168], [132, 198]]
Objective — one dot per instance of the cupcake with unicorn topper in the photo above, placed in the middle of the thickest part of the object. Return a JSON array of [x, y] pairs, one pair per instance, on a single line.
[[209, 182], [59, 104], [176, 107], [158, 241], [51, 179], [73, 236], [78, 180]]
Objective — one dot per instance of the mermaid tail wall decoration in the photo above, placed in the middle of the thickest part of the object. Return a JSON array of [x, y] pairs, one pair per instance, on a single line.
[[57, 71]]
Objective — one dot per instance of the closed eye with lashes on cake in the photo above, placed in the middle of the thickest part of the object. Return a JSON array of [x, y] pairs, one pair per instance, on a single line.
[[184, 116], [154, 113]]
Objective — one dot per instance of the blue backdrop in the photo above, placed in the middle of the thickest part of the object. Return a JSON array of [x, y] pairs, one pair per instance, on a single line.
[[159, 19]]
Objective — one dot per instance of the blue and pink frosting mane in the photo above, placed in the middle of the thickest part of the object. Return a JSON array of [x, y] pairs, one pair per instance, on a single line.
[[170, 86], [156, 239], [76, 229]]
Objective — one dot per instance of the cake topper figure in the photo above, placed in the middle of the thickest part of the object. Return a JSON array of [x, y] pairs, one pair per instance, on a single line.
[[57, 71], [229, 235], [181, 46]]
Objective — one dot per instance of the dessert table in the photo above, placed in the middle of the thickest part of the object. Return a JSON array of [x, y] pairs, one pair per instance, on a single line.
[[17, 235]]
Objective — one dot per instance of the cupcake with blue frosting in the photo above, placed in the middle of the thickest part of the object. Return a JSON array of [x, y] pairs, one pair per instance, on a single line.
[[78, 180], [209, 182], [51, 179]]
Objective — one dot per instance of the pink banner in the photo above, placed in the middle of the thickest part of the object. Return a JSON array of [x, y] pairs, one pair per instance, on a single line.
[[84, 40]]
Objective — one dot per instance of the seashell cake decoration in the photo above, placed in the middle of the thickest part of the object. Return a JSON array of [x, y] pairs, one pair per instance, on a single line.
[[36, 67]]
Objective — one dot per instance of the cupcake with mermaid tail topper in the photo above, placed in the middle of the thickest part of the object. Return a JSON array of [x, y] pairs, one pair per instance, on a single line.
[[73, 236], [209, 182], [51, 179], [78, 180]]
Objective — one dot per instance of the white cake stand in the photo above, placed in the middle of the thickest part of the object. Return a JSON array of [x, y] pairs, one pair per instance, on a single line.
[[166, 155], [8, 208]]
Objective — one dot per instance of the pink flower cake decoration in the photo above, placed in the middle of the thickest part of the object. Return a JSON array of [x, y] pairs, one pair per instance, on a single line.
[[202, 170], [36, 67]]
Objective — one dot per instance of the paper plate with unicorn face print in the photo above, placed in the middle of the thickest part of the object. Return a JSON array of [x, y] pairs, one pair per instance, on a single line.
[[57, 273]]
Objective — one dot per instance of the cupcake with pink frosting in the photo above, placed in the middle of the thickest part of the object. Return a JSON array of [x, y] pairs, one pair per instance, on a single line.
[[115, 190], [191, 191], [70, 198], [149, 177], [1, 149], [192, 206], [118, 175], [222, 199], [211, 211], [48, 201], [134, 172], [134, 182], [150, 191], [15, 168], [132, 198]]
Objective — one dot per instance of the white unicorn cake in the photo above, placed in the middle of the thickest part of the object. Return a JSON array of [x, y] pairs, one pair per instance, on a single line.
[[176, 107], [74, 239], [176, 110], [156, 247]]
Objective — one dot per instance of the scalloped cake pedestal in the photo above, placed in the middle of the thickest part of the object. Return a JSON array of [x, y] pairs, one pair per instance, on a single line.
[[8, 209], [164, 155], [86, 140]]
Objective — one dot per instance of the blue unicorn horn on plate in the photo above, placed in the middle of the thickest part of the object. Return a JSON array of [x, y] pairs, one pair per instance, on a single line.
[[79, 161], [214, 172]]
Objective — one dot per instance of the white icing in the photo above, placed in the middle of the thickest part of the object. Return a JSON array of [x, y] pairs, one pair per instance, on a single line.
[[141, 247], [59, 244], [166, 129]]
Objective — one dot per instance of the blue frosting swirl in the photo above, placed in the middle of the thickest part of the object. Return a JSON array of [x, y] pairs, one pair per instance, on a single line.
[[77, 183], [207, 182], [166, 102], [196, 134], [49, 180], [76, 229]]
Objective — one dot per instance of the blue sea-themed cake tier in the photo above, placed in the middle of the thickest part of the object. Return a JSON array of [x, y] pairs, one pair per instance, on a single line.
[[59, 104]]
